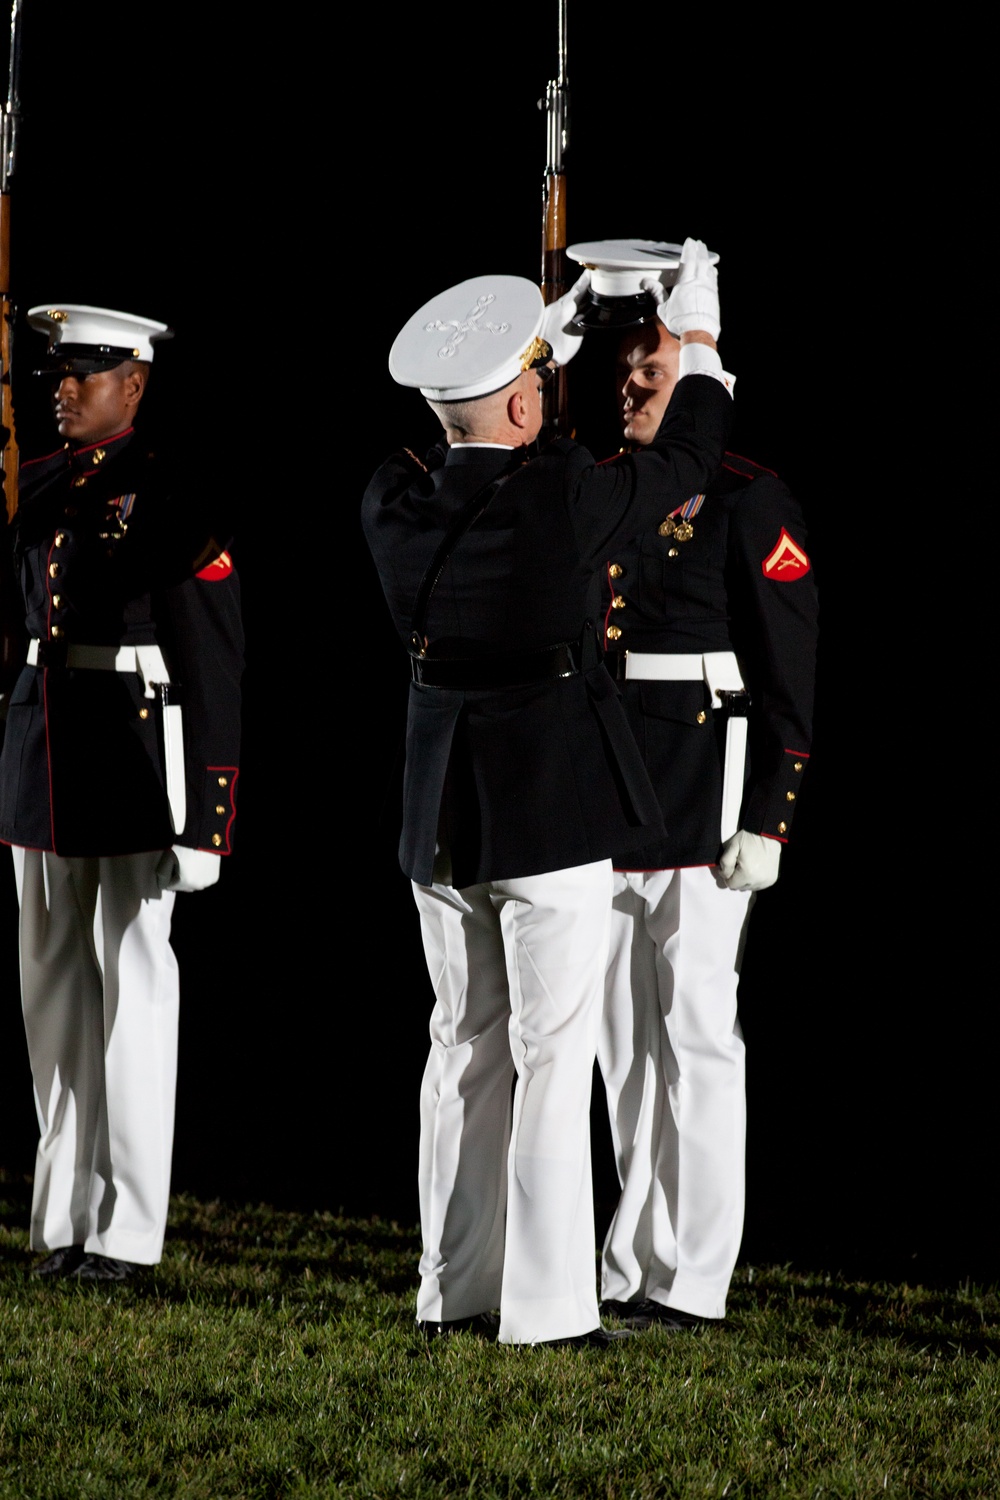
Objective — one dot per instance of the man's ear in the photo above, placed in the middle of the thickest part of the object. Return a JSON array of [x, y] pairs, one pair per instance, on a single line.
[[517, 409], [134, 386]]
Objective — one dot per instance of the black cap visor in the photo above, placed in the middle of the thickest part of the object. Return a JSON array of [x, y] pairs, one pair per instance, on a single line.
[[83, 359], [599, 311]]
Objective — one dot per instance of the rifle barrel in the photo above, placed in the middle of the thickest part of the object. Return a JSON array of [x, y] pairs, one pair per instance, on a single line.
[[8, 146]]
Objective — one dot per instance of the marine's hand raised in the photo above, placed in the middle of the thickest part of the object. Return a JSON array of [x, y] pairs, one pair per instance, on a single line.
[[693, 304], [557, 329]]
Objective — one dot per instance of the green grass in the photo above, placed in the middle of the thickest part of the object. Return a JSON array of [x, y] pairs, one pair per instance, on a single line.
[[274, 1354]]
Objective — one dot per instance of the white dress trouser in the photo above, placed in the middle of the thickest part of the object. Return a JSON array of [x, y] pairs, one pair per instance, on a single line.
[[672, 1057], [506, 1197], [99, 988]]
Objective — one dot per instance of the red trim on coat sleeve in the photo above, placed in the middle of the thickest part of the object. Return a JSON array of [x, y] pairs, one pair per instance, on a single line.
[[234, 776]]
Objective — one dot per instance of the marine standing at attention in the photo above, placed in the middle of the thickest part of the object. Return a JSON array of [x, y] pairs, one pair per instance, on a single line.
[[709, 617], [117, 786]]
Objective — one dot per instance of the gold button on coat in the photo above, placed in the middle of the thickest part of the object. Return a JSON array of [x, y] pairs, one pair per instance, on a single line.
[[57, 601], [60, 538], [57, 632], [701, 716], [672, 552], [789, 796], [615, 571], [614, 633], [618, 602], [144, 713], [798, 765], [216, 839], [79, 481], [220, 810], [53, 570], [782, 827], [223, 781]]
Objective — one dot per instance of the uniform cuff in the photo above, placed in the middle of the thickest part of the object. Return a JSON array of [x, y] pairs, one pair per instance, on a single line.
[[699, 359]]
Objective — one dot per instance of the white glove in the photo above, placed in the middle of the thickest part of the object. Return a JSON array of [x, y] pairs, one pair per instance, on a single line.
[[694, 299], [563, 339], [749, 861], [183, 869]]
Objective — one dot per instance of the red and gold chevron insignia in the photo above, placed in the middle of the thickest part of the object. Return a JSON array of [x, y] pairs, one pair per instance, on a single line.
[[219, 568], [786, 562]]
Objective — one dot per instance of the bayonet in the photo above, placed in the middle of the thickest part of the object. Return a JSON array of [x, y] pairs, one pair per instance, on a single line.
[[12, 109], [556, 107]]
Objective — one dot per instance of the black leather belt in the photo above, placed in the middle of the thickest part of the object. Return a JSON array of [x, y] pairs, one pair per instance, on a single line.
[[511, 670]]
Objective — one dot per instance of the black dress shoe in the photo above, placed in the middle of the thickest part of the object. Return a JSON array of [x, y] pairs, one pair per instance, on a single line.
[[484, 1325], [597, 1338], [649, 1314], [105, 1268], [62, 1262]]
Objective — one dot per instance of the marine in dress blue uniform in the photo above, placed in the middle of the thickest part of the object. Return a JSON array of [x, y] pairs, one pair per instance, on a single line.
[[521, 778], [710, 621], [117, 787]]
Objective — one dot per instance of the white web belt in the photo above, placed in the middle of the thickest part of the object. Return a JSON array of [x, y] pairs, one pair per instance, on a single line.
[[720, 672], [147, 662]]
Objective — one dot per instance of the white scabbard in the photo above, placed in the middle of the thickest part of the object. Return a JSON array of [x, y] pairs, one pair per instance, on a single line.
[[156, 680], [173, 755], [723, 676], [732, 776], [720, 671]]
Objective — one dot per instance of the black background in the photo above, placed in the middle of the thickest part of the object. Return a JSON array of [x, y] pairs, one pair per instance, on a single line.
[[284, 195]]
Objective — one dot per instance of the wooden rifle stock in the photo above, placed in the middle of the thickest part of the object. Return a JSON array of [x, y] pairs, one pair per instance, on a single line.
[[556, 422]]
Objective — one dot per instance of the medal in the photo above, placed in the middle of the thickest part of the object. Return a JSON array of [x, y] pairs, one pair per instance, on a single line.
[[682, 530]]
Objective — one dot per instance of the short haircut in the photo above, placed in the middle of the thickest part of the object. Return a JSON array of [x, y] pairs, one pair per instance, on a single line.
[[460, 416]]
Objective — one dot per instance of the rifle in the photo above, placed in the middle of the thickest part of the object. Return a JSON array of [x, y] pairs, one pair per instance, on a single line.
[[11, 613], [556, 107], [11, 117]]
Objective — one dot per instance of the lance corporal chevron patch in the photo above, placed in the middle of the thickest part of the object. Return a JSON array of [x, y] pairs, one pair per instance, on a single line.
[[786, 562], [220, 567]]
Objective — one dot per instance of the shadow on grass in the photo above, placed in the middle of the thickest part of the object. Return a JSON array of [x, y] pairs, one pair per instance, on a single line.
[[249, 1256], [960, 1324], [318, 1266]]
